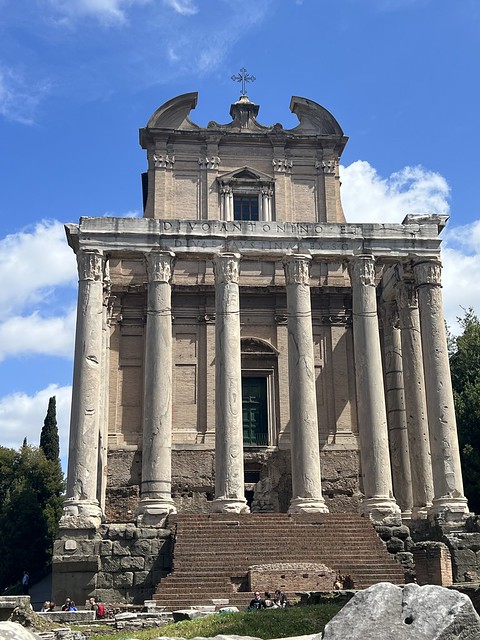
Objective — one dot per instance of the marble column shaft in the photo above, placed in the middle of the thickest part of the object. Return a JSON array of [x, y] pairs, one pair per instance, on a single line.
[[396, 415], [372, 420], [447, 473], [305, 450], [86, 414], [415, 400], [156, 487], [229, 472]]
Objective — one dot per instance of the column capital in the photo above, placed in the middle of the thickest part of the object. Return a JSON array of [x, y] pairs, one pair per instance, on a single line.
[[160, 266], [297, 269], [428, 272], [389, 314], [90, 265], [406, 295], [226, 267], [362, 270]]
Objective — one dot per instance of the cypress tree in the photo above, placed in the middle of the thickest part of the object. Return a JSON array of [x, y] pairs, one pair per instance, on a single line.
[[49, 442]]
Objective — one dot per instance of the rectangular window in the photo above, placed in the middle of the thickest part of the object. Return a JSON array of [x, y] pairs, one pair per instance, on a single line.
[[245, 207]]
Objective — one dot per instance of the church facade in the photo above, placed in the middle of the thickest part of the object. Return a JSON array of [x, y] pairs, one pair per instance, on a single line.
[[242, 347]]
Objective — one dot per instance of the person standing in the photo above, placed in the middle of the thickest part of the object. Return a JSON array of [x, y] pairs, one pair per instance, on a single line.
[[25, 583]]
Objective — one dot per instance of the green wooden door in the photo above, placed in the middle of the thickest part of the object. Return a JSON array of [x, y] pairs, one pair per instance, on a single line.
[[254, 403]]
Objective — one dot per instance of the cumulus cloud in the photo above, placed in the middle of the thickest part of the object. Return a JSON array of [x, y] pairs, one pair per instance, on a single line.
[[22, 415], [20, 95], [368, 197], [29, 271]]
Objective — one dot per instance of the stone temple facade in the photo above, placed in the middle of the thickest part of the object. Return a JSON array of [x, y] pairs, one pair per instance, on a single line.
[[243, 348]]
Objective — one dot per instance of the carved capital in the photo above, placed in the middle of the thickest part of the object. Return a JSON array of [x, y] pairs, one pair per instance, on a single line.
[[226, 267], [389, 314], [297, 269], [328, 167], [428, 273], [282, 165], [160, 266], [90, 265], [163, 161], [226, 190], [362, 270], [406, 295]]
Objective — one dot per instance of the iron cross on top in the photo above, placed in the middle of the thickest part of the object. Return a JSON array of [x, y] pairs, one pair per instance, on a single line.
[[243, 77]]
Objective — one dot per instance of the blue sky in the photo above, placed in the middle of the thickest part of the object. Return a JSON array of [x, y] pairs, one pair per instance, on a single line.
[[79, 77]]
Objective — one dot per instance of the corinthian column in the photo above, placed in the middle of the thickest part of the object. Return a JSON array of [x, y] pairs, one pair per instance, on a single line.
[[396, 417], [229, 481], [447, 474], [415, 401], [378, 502], [156, 487], [81, 507], [305, 450]]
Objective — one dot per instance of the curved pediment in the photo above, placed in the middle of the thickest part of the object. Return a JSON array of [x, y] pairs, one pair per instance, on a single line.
[[174, 113], [313, 118]]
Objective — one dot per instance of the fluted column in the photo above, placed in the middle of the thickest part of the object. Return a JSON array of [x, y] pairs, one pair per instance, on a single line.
[[305, 450], [396, 415], [156, 486], [81, 507], [447, 474], [229, 473], [378, 501], [415, 401]]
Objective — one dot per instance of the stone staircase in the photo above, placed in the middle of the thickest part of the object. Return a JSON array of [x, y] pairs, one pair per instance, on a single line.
[[212, 553]]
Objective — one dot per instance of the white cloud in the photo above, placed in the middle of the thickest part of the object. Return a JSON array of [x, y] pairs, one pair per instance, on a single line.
[[20, 95], [22, 416], [184, 7], [105, 11], [367, 197], [32, 263], [29, 335]]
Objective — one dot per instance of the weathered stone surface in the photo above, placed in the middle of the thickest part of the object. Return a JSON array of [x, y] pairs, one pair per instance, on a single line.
[[412, 613], [15, 631]]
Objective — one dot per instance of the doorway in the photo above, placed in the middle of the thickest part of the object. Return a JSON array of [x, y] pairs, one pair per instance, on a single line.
[[255, 410]]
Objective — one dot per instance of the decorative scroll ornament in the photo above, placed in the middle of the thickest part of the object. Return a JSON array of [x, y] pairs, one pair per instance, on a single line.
[[429, 272], [160, 266], [226, 267], [226, 190], [163, 161], [297, 270], [211, 162], [362, 271], [90, 265], [267, 191], [282, 165]]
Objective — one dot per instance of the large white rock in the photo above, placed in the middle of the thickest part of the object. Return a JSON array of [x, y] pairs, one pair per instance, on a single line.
[[15, 631], [408, 613]]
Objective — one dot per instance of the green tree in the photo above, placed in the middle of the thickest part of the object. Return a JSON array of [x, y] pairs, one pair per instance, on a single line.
[[49, 441], [465, 369], [31, 488]]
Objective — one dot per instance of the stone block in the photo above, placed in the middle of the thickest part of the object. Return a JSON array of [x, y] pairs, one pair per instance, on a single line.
[[104, 580], [105, 548], [141, 547], [395, 545], [123, 580], [142, 579], [111, 565], [132, 563], [15, 631], [120, 548], [411, 613]]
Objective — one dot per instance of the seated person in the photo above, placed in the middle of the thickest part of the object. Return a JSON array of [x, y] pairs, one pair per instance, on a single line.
[[257, 602], [268, 600], [69, 605], [280, 599]]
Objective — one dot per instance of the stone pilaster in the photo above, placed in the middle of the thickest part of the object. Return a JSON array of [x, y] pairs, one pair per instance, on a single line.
[[378, 501], [229, 473], [415, 401], [447, 474], [396, 415], [156, 486], [81, 508], [305, 450]]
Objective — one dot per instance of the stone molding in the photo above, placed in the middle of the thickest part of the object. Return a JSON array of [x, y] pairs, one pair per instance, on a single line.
[[282, 165], [212, 162], [161, 161]]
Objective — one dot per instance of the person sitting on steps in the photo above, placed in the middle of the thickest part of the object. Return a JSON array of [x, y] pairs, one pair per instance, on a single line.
[[257, 602]]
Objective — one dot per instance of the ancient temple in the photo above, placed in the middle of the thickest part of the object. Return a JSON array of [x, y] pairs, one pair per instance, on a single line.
[[243, 348]]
